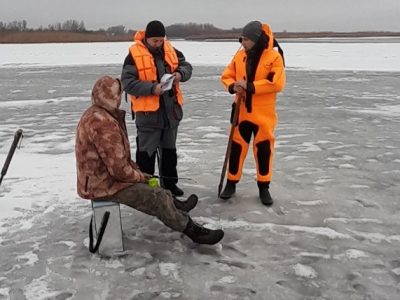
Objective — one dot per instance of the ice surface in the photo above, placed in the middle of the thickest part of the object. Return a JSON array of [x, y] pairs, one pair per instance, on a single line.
[[332, 233], [358, 55]]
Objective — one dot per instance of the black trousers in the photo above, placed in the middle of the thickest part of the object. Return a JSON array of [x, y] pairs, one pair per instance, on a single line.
[[168, 161]]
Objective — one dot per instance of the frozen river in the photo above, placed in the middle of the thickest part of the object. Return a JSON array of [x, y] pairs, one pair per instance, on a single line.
[[332, 233]]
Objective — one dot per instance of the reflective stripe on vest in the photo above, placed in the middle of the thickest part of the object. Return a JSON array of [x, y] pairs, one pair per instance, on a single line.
[[147, 71]]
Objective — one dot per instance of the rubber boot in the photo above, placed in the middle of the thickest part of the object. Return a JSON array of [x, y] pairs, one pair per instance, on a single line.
[[265, 196], [229, 191], [187, 205], [202, 235]]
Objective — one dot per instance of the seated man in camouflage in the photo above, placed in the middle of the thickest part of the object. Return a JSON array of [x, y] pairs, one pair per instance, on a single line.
[[105, 169]]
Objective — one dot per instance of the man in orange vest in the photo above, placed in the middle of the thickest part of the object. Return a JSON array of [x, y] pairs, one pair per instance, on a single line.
[[156, 106], [256, 74]]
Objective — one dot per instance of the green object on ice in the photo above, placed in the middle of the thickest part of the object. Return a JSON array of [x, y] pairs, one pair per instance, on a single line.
[[153, 182]]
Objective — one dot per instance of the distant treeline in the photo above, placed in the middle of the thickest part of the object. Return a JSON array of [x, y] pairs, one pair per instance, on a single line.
[[68, 26], [175, 30], [75, 31]]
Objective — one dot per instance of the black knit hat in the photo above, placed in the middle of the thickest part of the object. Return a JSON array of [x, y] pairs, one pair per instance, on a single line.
[[155, 29], [252, 31]]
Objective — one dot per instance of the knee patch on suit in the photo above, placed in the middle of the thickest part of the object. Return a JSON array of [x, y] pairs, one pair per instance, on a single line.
[[234, 157], [263, 156]]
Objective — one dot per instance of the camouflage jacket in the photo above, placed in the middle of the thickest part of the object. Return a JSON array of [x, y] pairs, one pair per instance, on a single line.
[[103, 158]]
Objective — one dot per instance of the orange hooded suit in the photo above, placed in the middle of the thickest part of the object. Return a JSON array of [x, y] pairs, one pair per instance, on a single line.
[[257, 115]]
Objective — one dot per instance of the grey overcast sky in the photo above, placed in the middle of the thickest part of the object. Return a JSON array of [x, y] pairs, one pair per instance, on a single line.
[[290, 15]]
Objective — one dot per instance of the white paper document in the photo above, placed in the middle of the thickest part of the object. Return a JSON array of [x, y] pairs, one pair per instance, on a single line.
[[166, 81]]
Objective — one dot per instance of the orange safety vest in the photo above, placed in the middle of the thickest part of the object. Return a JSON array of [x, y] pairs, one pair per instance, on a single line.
[[147, 71]]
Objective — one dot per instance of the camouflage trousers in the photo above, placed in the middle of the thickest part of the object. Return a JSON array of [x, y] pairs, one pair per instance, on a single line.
[[156, 202]]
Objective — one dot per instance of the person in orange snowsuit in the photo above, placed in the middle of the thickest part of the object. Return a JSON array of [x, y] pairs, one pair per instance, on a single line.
[[256, 74]]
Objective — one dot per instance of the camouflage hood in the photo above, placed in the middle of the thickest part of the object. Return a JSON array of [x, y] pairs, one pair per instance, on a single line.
[[106, 93]]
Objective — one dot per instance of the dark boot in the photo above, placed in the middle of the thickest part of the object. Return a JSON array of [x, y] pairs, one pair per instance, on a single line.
[[230, 189], [175, 190], [265, 196], [202, 235], [187, 205]]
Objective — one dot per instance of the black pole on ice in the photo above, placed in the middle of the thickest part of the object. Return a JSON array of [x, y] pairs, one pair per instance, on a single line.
[[17, 137]]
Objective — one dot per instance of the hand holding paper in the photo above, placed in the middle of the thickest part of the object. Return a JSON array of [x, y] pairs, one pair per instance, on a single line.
[[166, 81], [178, 77]]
